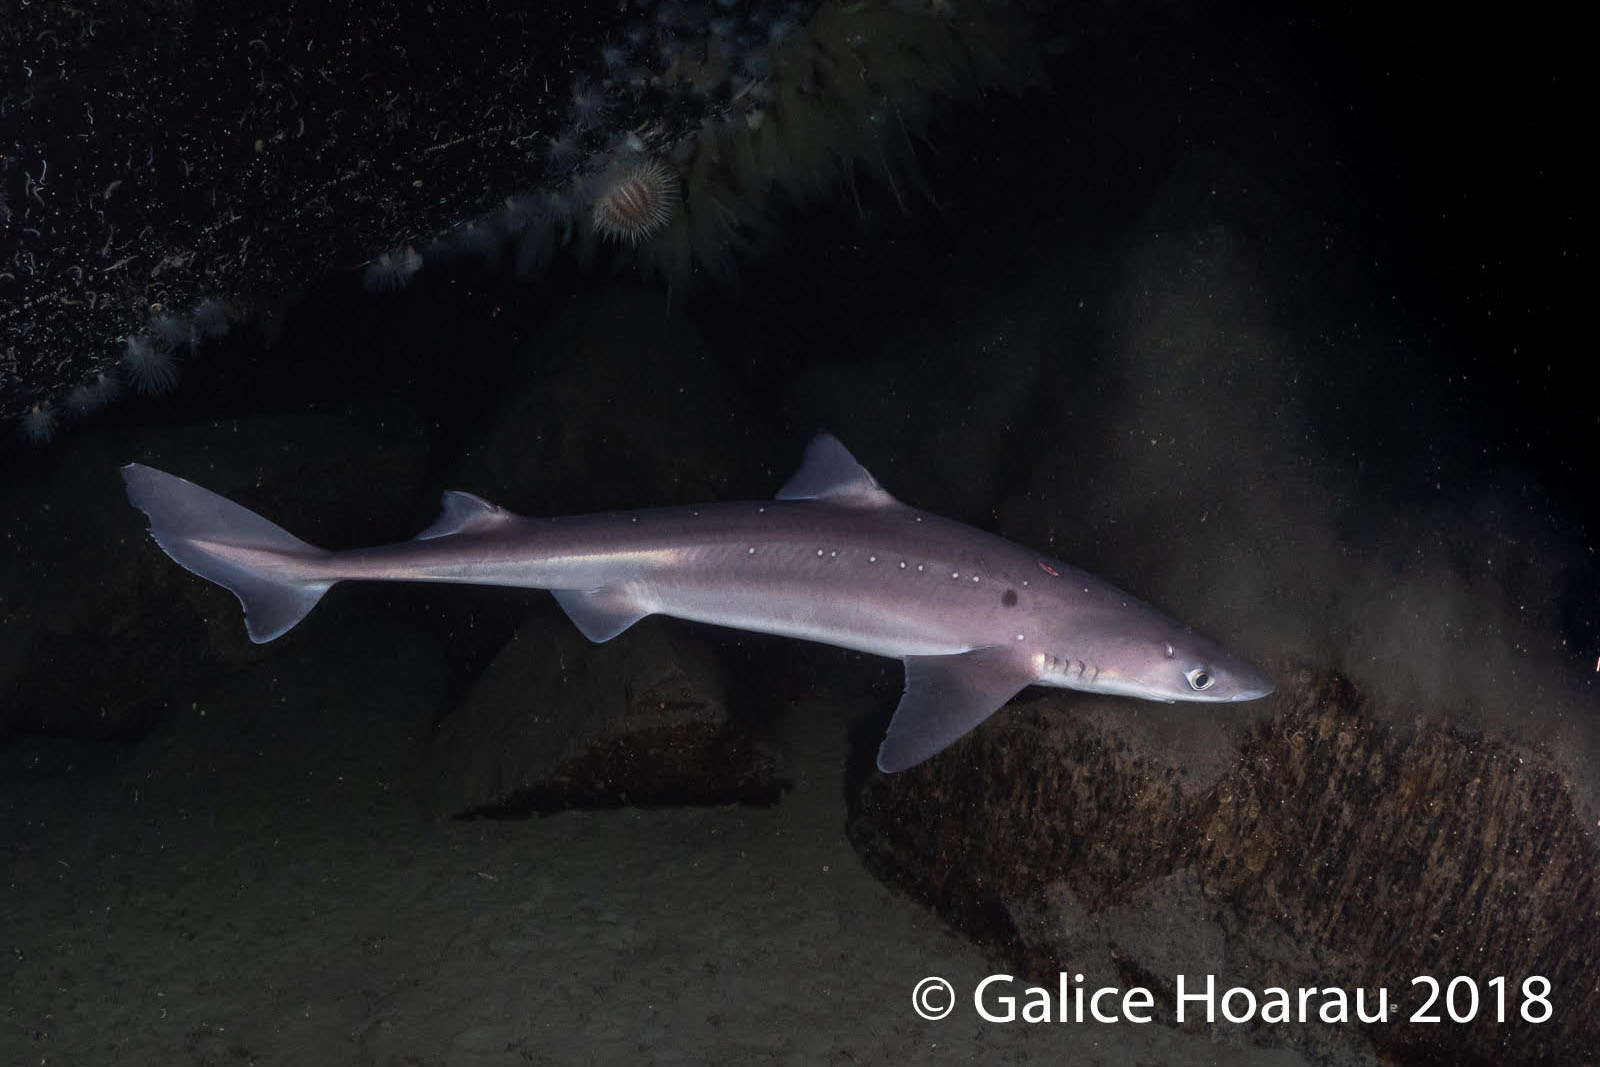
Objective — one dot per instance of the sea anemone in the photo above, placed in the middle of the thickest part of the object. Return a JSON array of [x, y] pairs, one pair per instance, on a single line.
[[613, 56], [89, 397], [635, 200], [211, 319], [169, 332], [588, 106], [392, 270], [540, 225], [564, 152], [38, 424], [150, 368]]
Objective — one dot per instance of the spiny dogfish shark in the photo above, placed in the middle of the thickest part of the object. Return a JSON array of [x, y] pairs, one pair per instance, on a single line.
[[834, 558]]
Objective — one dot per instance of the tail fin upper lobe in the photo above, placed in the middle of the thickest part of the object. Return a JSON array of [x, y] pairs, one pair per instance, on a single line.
[[198, 529]]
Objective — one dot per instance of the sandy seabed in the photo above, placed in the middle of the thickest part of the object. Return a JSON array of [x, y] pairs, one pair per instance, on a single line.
[[255, 885]]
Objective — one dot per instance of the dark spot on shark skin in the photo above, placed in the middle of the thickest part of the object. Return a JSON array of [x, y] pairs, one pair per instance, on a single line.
[[1010, 599]]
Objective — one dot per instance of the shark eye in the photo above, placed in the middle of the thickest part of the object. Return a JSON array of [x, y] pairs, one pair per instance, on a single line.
[[1170, 651], [1199, 678]]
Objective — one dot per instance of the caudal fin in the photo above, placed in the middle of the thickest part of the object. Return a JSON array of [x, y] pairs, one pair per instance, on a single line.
[[222, 542]]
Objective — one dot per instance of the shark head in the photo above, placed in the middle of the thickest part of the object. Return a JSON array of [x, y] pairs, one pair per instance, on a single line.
[[1131, 650]]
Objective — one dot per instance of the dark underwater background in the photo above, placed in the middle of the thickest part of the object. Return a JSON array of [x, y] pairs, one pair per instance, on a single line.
[[1271, 317]]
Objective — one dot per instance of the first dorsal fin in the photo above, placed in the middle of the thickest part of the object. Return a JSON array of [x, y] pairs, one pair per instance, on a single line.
[[829, 472], [465, 513]]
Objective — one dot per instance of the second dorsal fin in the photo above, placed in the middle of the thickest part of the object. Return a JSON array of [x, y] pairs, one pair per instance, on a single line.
[[465, 513]]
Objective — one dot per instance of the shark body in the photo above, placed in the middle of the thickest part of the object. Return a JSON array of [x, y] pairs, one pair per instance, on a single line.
[[834, 558]]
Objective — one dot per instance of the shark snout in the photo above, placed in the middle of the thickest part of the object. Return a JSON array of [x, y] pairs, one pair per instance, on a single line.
[[1251, 684]]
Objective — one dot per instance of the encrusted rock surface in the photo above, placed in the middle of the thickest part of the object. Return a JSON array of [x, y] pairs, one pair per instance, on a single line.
[[1334, 851]]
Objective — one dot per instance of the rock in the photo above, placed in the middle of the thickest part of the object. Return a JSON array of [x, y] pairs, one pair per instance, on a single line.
[[1334, 851], [580, 428], [557, 722]]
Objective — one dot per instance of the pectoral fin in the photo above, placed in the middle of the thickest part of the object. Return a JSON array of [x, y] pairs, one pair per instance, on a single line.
[[945, 697]]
